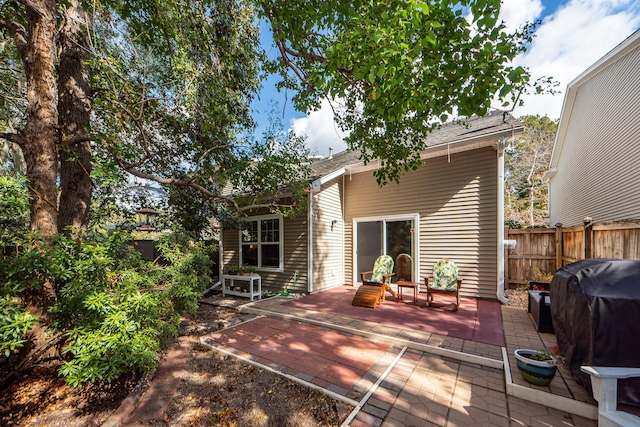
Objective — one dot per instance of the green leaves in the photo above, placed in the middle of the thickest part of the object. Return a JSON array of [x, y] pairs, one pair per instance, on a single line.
[[15, 321], [116, 311], [122, 320], [14, 209], [399, 66], [526, 160]]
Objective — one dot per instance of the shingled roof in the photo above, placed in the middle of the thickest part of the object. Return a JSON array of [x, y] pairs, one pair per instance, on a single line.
[[454, 132]]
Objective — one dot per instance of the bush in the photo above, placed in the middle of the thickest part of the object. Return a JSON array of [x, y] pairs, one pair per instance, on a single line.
[[116, 311], [15, 321], [129, 309], [513, 224], [14, 210]]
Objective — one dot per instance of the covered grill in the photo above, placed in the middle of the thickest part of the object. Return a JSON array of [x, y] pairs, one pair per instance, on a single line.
[[595, 307]]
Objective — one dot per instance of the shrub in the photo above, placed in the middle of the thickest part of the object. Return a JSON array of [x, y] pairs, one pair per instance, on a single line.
[[14, 210], [14, 323], [116, 311], [129, 309]]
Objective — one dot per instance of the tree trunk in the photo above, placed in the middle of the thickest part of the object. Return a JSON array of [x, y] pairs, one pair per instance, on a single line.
[[74, 108], [40, 133], [40, 136]]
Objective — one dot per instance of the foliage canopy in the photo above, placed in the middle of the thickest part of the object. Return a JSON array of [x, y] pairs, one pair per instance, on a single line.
[[526, 161], [397, 69]]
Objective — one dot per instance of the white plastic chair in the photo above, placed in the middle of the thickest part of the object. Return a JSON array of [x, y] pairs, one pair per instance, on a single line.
[[604, 382]]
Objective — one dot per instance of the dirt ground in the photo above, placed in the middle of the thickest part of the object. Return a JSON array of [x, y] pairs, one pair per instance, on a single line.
[[216, 390]]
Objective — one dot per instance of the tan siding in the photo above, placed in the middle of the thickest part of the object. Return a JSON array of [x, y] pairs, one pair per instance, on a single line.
[[327, 256], [231, 247], [295, 256], [598, 169], [457, 204]]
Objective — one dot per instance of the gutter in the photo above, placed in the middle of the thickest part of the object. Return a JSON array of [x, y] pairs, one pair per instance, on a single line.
[[310, 245]]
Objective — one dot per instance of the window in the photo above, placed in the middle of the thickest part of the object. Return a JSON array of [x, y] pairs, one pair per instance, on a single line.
[[261, 242]]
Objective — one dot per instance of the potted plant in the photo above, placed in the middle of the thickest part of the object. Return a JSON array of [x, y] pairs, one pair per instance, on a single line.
[[231, 269], [249, 269], [537, 367]]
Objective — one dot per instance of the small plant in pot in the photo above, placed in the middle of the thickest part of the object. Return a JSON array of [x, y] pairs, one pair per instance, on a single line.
[[249, 269], [231, 269], [537, 367]]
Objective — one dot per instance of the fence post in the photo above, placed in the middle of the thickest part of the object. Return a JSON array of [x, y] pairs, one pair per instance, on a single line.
[[559, 246], [588, 237]]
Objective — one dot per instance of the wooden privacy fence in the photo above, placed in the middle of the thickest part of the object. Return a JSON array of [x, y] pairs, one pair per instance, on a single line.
[[544, 250]]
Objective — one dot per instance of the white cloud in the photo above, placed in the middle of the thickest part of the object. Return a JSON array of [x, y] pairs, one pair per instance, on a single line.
[[514, 13], [321, 131], [570, 40]]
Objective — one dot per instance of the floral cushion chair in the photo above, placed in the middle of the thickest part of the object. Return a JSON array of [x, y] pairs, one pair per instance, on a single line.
[[445, 281], [375, 283]]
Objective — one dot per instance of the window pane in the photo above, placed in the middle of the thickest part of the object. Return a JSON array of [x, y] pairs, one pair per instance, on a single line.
[[270, 255], [250, 231], [250, 255], [270, 230]]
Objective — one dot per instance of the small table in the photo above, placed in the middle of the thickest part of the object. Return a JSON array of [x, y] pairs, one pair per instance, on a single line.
[[403, 284], [245, 278]]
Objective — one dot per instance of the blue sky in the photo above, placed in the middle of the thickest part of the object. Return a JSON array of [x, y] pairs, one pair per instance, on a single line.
[[573, 35]]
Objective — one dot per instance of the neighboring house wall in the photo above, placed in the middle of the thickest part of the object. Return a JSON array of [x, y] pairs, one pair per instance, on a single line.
[[328, 249], [595, 167], [294, 274], [457, 206]]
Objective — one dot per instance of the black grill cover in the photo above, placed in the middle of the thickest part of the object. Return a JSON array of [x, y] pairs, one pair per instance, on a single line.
[[595, 308]]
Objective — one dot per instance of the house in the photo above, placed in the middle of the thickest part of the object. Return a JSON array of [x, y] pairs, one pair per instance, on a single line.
[[595, 165], [450, 207]]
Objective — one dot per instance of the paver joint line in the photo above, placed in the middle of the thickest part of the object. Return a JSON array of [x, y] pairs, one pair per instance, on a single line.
[[373, 389]]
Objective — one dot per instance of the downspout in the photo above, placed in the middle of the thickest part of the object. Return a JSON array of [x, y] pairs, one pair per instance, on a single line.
[[501, 242], [310, 245], [221, 255]]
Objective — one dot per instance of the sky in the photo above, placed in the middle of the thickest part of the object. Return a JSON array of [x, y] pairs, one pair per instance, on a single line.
[[573, 35]]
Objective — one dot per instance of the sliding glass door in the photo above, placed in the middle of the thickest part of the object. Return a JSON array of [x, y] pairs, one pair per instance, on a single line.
[[383, 237]]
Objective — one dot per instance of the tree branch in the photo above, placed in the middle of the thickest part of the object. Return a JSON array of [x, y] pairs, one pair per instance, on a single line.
[[214, 196], [19, 34], [76, 139], [15, 137]]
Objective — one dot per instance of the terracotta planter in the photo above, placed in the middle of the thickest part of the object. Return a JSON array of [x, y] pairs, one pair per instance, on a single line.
[[537, 372]]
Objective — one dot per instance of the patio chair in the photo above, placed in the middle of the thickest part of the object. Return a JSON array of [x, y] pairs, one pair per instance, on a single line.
[[375, 283], [445, 281], [404, 267]]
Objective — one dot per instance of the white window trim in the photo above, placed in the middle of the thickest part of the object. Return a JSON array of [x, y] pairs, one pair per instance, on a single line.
[[258, 218]]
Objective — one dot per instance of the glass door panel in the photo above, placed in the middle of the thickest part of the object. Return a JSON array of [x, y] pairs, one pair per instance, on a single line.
[[369, 245], [399, 240]]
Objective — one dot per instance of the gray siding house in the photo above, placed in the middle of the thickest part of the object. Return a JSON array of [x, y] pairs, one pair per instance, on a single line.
[[595, 166], [450, 207]]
